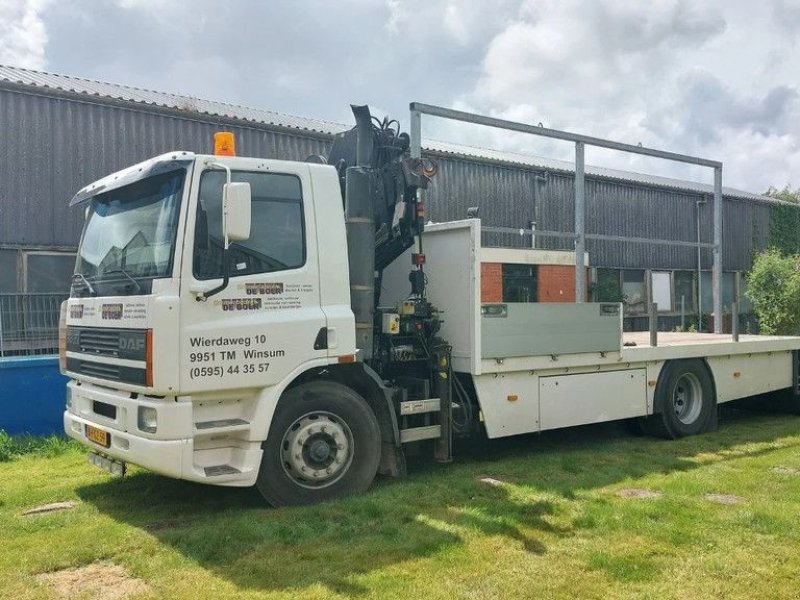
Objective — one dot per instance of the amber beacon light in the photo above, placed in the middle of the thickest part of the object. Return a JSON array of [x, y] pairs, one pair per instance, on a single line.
[[224, 144]]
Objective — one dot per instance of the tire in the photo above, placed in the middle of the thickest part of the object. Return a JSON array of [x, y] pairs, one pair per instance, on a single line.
[[684, 401], [324, 443]]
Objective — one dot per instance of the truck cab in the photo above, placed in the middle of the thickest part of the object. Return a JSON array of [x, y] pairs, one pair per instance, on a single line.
[[165, 374]]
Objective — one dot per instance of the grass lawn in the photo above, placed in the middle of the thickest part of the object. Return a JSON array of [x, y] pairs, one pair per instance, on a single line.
[[553, 524]]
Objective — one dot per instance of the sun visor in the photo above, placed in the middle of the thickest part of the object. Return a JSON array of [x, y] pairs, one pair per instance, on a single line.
[[146, 169]]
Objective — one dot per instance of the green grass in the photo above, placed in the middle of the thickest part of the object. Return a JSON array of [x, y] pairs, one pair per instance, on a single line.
[[12, 447], [555, 527]]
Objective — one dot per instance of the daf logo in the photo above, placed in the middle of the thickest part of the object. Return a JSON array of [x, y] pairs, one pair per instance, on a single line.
[[131, 344]]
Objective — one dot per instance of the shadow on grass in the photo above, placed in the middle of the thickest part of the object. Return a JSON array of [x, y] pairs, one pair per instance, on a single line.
[[230, 532]]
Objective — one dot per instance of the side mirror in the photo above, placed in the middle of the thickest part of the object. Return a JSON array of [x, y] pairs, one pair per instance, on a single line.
[[236, 208]]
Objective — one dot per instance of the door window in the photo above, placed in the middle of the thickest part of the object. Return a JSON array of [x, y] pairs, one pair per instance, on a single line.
[[277, 237]]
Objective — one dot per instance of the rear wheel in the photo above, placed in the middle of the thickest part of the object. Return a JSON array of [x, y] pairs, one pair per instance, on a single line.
[[324, 443], [684, 400]]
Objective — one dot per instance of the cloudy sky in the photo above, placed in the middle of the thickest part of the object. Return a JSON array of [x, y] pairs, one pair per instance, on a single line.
[[715, 79]]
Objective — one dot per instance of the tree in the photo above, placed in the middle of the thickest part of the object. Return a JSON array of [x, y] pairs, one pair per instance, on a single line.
[[773, 286], [787, 194]]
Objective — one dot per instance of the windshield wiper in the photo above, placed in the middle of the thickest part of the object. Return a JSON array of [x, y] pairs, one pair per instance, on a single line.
[[82, 278], [126, 274]]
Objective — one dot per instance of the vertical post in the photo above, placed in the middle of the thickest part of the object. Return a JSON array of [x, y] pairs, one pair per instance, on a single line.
[[697, 206], [580, 224], [737, 290], [653, 324], [416, 134], [717, 267]]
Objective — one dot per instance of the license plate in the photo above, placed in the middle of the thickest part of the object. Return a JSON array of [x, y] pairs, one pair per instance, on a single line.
[[98, 436]]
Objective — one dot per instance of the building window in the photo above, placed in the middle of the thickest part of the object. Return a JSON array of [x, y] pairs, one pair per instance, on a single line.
[[706, 292], [8, 272], [48, 272], [662, 290], [685, 283], [607, 287], [277, 242], [634, 292], [519, 283]]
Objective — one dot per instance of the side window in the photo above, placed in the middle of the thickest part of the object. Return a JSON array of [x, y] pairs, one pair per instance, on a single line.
[[277, 236], [48, 272], [519, 283]]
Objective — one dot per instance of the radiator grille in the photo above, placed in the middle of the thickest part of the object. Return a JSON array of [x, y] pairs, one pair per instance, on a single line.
[[119, 343]]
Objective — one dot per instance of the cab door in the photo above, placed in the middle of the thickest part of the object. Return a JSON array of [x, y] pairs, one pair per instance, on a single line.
[[265, 323]]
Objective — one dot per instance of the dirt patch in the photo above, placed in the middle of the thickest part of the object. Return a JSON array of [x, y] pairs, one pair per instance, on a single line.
[[48, 508], [725, 499], [101, 580], [786, 471], [166, 524], [638, 493]]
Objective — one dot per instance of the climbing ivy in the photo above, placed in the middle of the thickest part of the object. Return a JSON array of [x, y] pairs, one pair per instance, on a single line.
[[784, 221], [784, 228]]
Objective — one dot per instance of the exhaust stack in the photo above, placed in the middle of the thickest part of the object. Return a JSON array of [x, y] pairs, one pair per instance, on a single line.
[[360, 226]]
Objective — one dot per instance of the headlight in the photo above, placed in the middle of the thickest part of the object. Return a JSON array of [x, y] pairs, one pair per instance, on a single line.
[[148, 419]]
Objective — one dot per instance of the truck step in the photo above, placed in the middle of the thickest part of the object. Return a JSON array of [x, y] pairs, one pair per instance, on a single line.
[[217, 470], [221, 423], [417, 407], [415, 434]]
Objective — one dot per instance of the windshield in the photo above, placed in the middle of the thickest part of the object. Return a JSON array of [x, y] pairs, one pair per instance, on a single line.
[[130, 231]]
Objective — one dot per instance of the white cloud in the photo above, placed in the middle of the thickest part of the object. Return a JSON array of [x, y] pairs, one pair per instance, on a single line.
[[678, 75], [692, 76], [23, 36]]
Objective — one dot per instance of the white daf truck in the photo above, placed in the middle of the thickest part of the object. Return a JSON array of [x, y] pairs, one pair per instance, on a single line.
[[241, 321]]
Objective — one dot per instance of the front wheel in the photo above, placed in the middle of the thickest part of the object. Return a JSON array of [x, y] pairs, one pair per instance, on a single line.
[[684, 400], [324, 443]]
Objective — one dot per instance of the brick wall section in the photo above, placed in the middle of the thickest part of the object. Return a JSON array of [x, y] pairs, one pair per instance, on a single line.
[[491, 282], [556, 283]]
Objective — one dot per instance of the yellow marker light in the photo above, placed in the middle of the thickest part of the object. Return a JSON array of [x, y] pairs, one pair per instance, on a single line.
[[224, 144], [512, 397]]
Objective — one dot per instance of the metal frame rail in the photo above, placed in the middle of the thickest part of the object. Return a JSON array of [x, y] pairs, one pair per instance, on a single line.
[[581, 141]]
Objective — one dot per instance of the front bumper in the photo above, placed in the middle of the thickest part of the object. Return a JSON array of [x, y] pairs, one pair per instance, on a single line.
[[171, 451]]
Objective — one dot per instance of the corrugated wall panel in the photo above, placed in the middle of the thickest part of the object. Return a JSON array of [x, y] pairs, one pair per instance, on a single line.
[[52, 147], [506, 198]]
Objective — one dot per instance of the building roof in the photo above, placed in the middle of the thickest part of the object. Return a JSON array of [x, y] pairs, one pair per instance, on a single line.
[[101, 89], [78, 86]]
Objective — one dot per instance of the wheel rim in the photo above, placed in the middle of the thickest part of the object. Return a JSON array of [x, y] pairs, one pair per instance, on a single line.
[[317, 450], [687, 398]]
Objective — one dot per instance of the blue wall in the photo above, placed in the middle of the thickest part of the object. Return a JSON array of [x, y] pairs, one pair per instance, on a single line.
[[32, 395]]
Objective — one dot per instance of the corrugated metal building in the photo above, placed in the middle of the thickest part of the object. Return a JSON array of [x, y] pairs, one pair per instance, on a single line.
[[60, 133]]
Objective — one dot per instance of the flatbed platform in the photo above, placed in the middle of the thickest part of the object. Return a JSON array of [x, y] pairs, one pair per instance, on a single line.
[[677, 345], [683, 338]]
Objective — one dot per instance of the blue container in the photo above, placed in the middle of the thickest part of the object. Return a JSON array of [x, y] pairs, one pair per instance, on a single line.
[[32, 395]]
